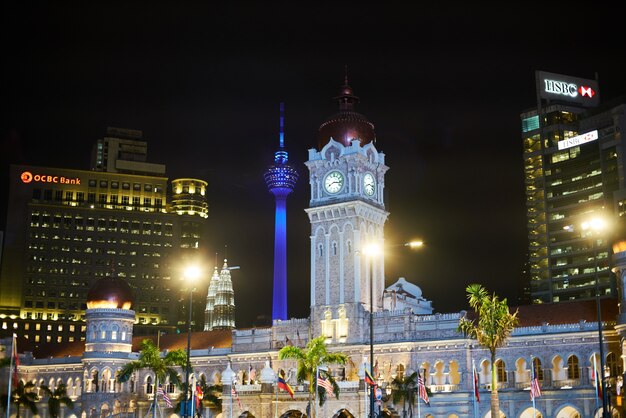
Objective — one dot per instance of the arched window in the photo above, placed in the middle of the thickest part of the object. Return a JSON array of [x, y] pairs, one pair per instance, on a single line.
[[613, 365], [573, 371], [501, 370], [538, 370], [320, 250], [334, 248], [349, 246], [400, 371], [149, 385]]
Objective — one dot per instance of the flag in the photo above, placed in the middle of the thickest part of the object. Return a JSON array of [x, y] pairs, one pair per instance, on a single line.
[[476, 394], [199, 395], [369, 379], [325, 383], [422, 389], [596, 381], [535, 389], [234, 393], [299, 341], [166, 398], [288, 341], [16, 361], [285, 386]]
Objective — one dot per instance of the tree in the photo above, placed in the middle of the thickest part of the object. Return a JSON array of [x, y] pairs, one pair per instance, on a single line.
[[491, 329], [210, 396], [404, 389], [57, 398], [22, 396], [162, 367], [309, 359]]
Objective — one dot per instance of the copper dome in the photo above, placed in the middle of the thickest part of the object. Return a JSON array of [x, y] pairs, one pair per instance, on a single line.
[[347, 124], [110, 292]]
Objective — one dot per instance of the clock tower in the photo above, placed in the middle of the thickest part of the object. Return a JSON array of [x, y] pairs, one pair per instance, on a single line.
[[347, 212]]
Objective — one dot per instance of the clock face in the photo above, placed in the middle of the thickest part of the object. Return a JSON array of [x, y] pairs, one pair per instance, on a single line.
[[369, 184], [333, 182]]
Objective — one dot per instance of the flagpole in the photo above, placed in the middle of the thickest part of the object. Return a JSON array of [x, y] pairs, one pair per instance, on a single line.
[[418, 404], [193, 395], [532, 380], [11, 365], [276, 409], [475, 388], [595, 379], [231, 397], [317, 374]]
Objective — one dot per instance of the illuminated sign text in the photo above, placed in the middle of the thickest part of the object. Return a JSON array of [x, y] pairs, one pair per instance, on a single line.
[[578, 140], [28, 177]]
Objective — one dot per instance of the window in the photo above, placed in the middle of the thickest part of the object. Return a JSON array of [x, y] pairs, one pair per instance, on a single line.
[[104, 184], [147, 188], [91, 198], [501, 370], [69, 196], [36, 194], [47, 194], [136, 200], [538, 371], [149, 385], [126, 186], [613, 365], [115, 185], [102, 198], [92, 183], [58, 195], [573, 371], [137, 186], [80, 196]]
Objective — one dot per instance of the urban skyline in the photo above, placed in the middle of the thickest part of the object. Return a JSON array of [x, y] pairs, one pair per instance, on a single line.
[[452, 141]]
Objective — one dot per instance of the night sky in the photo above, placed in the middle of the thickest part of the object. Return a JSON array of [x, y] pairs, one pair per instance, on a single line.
[[444, 88]]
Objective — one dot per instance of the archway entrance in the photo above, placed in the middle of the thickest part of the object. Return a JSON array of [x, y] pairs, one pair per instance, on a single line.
[[343, 413], [247, 414], [292, 414]]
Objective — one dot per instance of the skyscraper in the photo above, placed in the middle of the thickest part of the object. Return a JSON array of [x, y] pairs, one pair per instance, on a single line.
[[574, 170], [281, 179]]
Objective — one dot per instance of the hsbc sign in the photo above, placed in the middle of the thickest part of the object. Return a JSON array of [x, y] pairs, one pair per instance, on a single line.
[[561, 87]]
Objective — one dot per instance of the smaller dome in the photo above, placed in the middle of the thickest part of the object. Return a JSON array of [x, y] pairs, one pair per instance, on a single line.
[[112, 293], [402, 286]]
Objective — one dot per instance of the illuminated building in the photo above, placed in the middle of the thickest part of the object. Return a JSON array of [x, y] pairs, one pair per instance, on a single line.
[[559, 339], [280, 179], [68, 228], [189, 201], [574, 169]]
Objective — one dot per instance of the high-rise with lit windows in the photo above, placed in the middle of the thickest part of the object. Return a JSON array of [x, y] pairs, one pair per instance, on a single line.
[[68, 228], [573, 171]]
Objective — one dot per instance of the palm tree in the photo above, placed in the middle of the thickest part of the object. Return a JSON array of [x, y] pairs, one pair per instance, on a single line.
[[403, 389], [57, 398], [309, 360], [162, 367], [210, 396], [492, 328], [22, 396]]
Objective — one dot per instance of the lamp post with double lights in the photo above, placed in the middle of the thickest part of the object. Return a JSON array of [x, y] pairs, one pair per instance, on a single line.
[[192, 273], [595, 226], [373, 251]]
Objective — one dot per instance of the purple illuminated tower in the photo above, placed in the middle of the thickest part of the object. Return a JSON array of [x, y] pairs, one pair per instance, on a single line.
[[281, 179]]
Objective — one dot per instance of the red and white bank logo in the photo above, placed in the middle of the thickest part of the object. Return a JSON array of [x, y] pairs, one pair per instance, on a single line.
[[26, 177], [586, 91]]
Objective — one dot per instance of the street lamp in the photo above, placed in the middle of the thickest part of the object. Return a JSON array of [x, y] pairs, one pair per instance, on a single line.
[[191, 275], [595, 226], [371, 251]]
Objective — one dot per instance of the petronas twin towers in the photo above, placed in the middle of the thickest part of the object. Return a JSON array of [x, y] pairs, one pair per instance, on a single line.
[[220, 301]]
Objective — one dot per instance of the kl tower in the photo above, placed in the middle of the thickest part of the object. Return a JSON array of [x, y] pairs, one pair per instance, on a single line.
[[281, 179]]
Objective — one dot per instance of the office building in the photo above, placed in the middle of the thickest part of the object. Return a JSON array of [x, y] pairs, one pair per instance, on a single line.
[[67, 228], [573, 172]]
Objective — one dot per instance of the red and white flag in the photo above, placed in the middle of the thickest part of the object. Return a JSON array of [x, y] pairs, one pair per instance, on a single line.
[[475, 374], [422, 389], [325, 383]]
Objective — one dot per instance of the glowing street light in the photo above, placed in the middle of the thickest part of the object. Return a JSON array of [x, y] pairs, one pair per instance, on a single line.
[[596, 226], [192, 273], [372, 251]]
